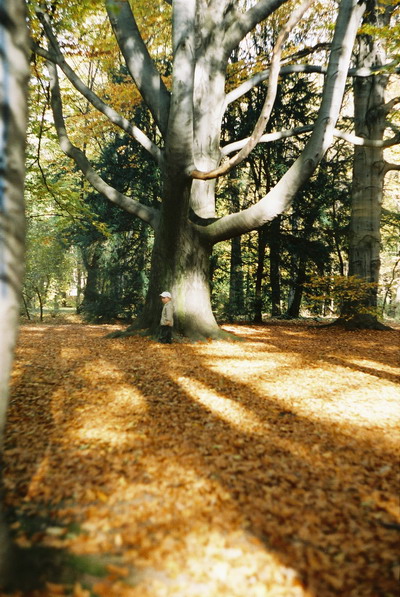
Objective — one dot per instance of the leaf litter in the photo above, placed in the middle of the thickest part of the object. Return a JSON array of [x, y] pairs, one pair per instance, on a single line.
[[263, 468]]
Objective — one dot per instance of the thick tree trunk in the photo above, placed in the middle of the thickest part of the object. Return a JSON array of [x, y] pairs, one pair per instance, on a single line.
[[91, 291], [368, 179], [180, 265], [13, 96]]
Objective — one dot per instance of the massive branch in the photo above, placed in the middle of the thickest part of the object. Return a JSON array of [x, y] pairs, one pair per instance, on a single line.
[[145, 213], [113, 116], [300, 130], [268, 102], [139, 61], [245, 22], [281, 196], [179, 142]]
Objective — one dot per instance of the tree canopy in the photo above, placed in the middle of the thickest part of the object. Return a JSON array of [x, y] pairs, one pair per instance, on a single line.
[[193, 64]]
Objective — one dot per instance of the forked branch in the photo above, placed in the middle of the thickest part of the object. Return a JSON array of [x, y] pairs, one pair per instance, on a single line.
[[145, 213], [57, 57], [268, 103]]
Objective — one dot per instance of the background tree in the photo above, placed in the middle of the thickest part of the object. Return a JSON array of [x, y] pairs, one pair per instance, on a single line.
[[371, 114]]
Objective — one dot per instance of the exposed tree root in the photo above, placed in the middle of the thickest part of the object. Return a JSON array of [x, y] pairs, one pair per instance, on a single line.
[[191, 335], [359, 322]]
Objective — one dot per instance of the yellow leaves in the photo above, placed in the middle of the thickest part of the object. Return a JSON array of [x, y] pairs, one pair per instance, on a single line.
[[80, 592], [54, 589], [260, 468], [117, 571], [111, 588], [101, 496]]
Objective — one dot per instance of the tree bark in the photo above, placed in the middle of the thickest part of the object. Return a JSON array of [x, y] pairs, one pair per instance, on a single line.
[[368, 177], [180, 265], [258, 298], [274, 266], [294, 304], [13, 98]]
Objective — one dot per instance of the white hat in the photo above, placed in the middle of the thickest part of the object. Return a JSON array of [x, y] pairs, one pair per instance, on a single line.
[[166, 294]]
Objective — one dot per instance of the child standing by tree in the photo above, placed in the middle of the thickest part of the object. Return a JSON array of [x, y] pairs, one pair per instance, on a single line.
[[167, 318]]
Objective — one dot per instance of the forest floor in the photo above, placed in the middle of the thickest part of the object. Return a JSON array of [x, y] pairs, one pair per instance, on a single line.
[[261, 468]]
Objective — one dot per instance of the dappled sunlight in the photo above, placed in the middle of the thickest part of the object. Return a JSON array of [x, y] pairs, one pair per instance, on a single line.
[[346, 402], [101, 370], [376, 366], [114, 429], [304, 383], [226, 408], [103, 433], [263, 467], [36, 329], [126, 396], [69, 352]]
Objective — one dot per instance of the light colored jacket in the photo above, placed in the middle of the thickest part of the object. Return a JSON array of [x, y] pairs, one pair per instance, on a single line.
[[167, 314]]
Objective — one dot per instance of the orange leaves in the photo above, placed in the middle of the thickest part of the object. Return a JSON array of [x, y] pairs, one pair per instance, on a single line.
[[260, 468]]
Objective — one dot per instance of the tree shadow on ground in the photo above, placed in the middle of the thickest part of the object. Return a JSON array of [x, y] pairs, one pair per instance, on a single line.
[[315, 495]]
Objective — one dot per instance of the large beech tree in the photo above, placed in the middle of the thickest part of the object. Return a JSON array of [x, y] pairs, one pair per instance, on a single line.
[[14, 73], [189, 117]]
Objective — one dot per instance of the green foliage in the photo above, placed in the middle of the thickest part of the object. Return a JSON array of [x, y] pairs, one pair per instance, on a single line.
[[116, 275], [348, 294], [49, 265], [105, 308]]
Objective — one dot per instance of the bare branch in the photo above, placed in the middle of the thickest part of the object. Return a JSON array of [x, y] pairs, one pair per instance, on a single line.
[[294, 132], [355, 140], [145, 213], [290, 69], [388, 107], [268, 138], [388, 167]]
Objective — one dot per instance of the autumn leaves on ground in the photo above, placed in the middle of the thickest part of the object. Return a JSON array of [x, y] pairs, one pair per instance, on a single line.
[[259, 468]]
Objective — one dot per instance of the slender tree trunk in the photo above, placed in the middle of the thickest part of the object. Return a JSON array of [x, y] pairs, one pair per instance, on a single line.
[[13, 98], [236, 290], [258, 298], [293, 310], [40, 303], [236, 298], [274, 263], [26, 308]]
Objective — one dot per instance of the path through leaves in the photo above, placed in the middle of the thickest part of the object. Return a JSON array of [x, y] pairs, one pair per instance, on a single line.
[[260, 468]]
